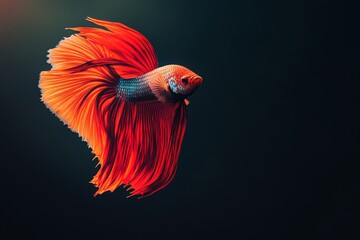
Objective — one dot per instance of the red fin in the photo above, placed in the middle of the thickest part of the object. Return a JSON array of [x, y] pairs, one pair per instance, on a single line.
[[74, 51], [79, 99], [143, 148], [125, 44]]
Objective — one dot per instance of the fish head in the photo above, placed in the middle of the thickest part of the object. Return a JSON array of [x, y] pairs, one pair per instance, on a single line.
[[182, 81]]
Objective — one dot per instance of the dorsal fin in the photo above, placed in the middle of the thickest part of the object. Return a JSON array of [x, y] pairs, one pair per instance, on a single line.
[[125, 45]]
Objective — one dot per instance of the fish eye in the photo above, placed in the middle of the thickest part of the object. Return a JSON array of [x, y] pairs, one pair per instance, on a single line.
[[184, 80]]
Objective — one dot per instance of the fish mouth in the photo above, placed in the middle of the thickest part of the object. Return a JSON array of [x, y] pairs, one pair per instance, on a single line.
[[197, 80]]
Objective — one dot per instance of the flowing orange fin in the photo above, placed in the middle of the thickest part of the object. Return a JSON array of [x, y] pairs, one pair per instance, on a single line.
[[79, 99], [125, 44], [144, 147]]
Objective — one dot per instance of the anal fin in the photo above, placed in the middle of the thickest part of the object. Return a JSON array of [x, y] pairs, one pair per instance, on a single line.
[[143, 151]]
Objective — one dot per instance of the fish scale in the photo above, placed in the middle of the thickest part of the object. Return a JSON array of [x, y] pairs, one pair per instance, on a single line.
[[135, 89]]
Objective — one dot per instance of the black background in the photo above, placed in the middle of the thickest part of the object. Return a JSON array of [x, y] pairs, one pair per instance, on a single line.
[[272, 141]]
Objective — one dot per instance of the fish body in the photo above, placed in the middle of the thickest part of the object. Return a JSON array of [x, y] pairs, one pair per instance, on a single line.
[[161, 84], [106, 85]]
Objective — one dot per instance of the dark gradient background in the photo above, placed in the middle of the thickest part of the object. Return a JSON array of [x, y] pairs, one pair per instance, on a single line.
[[272, 143]]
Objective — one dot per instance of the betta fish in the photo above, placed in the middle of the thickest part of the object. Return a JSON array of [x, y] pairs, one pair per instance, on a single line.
[[106, 85]]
